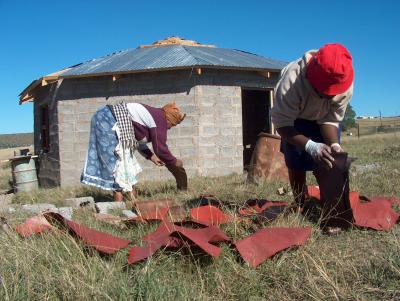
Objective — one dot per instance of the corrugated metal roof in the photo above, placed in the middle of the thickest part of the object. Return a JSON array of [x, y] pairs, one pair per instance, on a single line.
[[171, 57]]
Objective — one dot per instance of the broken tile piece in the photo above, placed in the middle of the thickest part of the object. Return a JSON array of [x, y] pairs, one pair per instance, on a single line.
[[265, 243], [376, 213], [152, 205], [210, 215], [170, 235], [101, 241], [150, 215], [33, 225]]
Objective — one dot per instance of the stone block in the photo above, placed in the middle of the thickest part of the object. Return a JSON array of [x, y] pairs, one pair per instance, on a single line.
[[66, 138], [82, 136], [82, 126], [228, 131], [66, 108], [107, 207], [225, 141], [68, 127], [188, 152], [184, 141], [207, 141], [66, 118], [37, 208], [85, 117], [128, 213], [188, 131], [208, 151], [65, 212], [82, 202], [207, 120], [228, 152], [207, 90], [209, 131], [226, 112], [189, 109]]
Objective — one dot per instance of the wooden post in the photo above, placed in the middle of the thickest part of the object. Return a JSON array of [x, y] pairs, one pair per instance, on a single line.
[[358, 130]]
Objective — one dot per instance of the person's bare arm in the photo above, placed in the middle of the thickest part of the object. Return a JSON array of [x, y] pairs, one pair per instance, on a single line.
[[330, 133], [319, 151], [291, 135]]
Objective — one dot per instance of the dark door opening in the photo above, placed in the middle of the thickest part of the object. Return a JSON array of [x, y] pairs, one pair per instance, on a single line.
[[255, 118]]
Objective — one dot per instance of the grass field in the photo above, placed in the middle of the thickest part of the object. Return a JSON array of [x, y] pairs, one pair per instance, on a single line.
[[15, 140], [377, 125], [356, 265]]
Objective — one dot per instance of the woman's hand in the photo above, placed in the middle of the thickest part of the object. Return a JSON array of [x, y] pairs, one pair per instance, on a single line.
[[156, 160], [179, 163]]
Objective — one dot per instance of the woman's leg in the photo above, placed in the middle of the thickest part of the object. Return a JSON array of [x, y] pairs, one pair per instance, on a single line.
[[297, 180], [118, 196], [133, 193]]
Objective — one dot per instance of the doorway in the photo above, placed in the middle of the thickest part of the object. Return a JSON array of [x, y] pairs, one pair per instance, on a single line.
[[256, 105]]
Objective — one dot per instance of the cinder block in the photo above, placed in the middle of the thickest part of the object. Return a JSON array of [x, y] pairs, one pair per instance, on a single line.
[[184, 141], [209, 131], [225, 141], [68, 127], [188, 152], [65, 109], [227, 152], [207, 141], [188, 131], [228, 131], [85, 117], [83, 126], [67, 156]]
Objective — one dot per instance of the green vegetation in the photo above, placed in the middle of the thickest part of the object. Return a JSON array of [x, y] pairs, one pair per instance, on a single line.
[[16, 140], [356, 265], [349, 120]]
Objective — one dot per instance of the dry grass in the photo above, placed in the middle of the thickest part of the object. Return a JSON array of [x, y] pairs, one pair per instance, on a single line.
[[357, 265]]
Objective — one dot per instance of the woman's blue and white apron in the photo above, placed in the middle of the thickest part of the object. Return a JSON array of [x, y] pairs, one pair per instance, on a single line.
[[108, 165]]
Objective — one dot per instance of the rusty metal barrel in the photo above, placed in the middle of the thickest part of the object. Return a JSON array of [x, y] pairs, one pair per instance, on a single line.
[[267, 162], [24, 173]]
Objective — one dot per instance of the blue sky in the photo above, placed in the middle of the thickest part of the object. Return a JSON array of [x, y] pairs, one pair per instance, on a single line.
[[40, 37]]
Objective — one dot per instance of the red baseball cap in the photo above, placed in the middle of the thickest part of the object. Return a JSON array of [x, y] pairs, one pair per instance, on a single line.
[[330, 71]]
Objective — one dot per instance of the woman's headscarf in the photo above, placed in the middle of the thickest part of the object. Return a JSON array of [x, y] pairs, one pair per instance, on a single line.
[[173, 114]]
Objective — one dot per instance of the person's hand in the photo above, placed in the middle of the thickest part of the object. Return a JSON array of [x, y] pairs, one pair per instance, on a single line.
[[336, 148], [156, 160], [320, 152], [179, 163]]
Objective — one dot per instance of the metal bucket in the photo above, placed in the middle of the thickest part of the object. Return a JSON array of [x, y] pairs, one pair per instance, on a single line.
[[267, 162], [24, 173]]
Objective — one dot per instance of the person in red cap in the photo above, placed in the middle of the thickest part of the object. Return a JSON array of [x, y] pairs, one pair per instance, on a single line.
[[310, 102]]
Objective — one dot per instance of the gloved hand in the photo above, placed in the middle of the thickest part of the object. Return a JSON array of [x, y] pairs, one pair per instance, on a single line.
[[320, 152], [336, 148]]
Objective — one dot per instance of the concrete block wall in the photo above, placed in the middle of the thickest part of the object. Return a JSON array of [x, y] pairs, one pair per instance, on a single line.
[[220, 133], [209, 140]]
